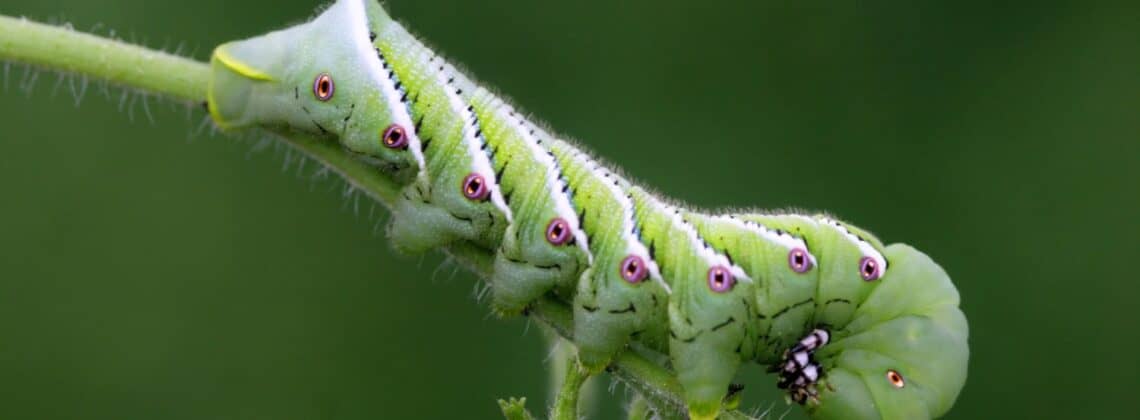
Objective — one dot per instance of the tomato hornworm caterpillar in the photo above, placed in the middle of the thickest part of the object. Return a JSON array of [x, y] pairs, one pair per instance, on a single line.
[[854, 329]]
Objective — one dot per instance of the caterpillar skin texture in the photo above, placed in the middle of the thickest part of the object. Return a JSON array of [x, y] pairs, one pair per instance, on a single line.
[[855, 329]]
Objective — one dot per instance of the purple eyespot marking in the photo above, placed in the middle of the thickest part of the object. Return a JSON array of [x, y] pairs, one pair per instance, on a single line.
[[798, 260], [558, 231], [394, 137], [475, 187], [323, 87], [869, 269], [633, 269], [720, 280], [895, 378]]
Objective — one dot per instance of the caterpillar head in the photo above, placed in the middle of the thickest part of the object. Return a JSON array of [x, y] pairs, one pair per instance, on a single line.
[[906, 352], [323, 77]]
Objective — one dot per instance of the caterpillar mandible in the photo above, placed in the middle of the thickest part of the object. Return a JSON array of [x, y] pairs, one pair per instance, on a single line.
[[855, 329]]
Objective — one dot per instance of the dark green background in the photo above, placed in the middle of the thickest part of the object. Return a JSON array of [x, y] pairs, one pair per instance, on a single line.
[[150, 272]]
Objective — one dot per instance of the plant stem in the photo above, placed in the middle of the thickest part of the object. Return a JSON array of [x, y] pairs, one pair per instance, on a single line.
[[135, 67], [566, 403], [355, 172], [65, 50]]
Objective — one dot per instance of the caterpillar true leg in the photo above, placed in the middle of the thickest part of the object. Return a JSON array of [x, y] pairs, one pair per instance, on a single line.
[[566, 403], [799, 371]]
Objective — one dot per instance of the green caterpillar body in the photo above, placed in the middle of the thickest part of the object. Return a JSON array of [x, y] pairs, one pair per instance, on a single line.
[[856, 329]]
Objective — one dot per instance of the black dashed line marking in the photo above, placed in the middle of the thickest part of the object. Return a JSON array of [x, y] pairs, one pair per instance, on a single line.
[[726, 322], [628, 309]]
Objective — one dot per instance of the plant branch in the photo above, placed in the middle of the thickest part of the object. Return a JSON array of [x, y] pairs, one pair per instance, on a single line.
[[135, 67], [566, 403], [66, 50]]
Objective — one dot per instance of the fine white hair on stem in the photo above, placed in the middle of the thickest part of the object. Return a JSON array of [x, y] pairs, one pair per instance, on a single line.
[[349, 197], [319, 174], [105, 88], [475, 289], [301, 166], [29, 80], [146, 107], [123, 100], [77, 84], [350, 193], [259, 147], [454, 271], [200, 129], [484, 289], [287, 160], [78, 94], [58, 82]]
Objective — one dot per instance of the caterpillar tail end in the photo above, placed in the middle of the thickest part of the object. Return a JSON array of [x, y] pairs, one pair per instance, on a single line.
[[231, 86], [252, 80]]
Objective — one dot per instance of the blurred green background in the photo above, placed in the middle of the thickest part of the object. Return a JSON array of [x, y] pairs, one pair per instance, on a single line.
[[148, 270]]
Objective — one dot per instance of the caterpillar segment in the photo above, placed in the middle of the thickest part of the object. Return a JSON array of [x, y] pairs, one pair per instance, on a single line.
[[852, 329], [786, 274], [708, 309], [460, 197], [851, 262], [545, 248], [622, 296]]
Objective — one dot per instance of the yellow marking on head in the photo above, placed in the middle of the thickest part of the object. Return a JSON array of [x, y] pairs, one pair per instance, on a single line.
[[213, 109], [239, 67]]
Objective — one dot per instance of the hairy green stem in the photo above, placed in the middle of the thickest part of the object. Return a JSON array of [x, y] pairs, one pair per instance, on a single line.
[[135, 67], [65, 50], [566, 403]]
